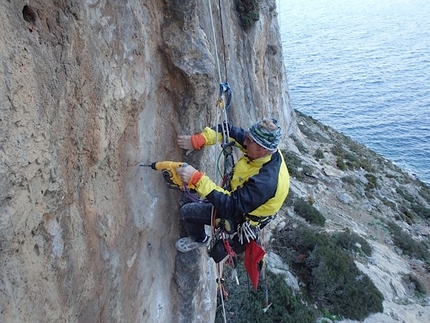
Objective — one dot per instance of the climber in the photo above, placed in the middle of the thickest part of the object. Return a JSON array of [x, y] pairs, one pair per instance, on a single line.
[[258, 187]]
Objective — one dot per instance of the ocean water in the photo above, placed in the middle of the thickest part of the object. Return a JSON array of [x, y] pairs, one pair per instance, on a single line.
[[363, 68]]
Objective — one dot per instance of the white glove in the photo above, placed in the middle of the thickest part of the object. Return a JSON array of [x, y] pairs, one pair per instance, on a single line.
[[185, 173], [184, 142]]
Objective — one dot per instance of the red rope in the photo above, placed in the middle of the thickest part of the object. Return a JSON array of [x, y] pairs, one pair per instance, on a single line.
[[229, 250]]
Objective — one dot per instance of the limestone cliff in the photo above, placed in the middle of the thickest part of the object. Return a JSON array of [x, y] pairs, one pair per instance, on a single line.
[[90, 89]]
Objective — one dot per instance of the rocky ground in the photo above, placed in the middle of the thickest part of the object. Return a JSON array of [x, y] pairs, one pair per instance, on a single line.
[[355, 189]]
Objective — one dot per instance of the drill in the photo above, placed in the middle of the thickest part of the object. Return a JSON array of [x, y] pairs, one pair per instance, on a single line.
[[169, 172]]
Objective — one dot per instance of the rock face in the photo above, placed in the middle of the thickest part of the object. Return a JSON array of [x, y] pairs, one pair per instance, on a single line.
[[90, 89]]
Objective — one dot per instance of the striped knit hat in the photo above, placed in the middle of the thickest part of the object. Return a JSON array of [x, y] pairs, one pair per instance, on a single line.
[[266, 133]]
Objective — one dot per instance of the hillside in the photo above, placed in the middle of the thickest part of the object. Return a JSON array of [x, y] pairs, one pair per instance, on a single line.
[[378, 212]]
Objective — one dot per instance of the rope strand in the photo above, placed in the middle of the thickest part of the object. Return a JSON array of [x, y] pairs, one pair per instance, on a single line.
[[215, 42], [223, 41], [219, 266]]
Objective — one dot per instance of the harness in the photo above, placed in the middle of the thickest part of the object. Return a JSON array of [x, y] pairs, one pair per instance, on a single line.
[[260, 221]]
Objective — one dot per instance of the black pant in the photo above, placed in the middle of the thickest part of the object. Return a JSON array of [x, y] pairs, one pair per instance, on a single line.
[[195, 216]]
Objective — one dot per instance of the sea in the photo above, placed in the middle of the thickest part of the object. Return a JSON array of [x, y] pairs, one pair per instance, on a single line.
[[363, 68]]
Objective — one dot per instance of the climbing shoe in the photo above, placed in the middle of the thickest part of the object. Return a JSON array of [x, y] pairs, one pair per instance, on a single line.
[[187, 244]]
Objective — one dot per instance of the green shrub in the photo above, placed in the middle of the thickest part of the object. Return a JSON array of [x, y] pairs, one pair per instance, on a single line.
[[293, 162], [329, 273], [389, 203], [249, 12], [405, 194], [353, 242], [336, 281], [409, 246], [372, 181], [307, 169], [418, 285], [312, 135], [351, 160], [300, 146], [425, 193], [349, 179], [409, 217], [355, 146], [340, 163], [421, 211], [245, 304], [367, 165], [318, 154], [289, 201], [309, 212], [337, 150], [296, 168]]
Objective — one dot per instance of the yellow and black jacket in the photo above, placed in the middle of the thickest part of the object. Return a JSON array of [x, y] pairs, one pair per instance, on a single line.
[[258, 187]]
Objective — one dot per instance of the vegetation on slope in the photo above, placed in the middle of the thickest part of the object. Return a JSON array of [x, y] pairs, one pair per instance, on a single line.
[[244, 304], [323, 260], [325, 265]]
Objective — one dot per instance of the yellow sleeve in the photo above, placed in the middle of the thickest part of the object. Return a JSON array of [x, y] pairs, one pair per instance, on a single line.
[[211, 136], [205, 186]]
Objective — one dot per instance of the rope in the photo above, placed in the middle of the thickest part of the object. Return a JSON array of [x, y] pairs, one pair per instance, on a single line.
[[214, 39], [220, 104], [263, 269], [223, 42], [250, 87]]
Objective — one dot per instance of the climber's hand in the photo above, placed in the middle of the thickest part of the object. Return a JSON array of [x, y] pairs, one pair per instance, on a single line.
[[185, 173], [184, 142]]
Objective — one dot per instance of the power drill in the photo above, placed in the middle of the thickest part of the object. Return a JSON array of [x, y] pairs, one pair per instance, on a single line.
[[169, 172]]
